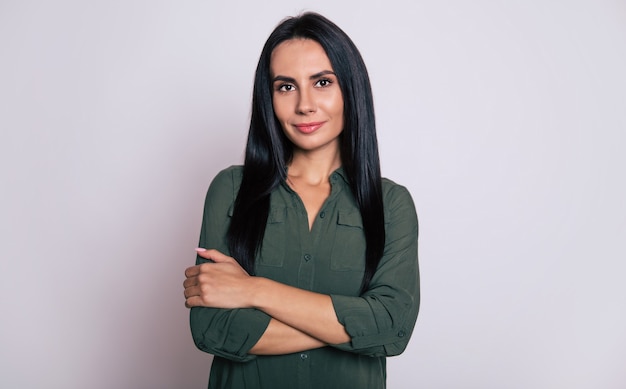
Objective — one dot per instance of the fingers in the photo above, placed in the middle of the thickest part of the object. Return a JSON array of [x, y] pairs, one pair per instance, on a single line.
[[192, 271], [194, 301], [221, 268], [197, 295], [189, 282], [214, 255], [191, 291]]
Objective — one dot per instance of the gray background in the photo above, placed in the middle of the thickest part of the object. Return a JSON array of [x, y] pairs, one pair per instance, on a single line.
[[505, 119]]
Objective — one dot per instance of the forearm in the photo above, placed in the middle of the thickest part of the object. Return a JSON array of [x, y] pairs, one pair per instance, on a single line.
[[280, 338], [308, 312]]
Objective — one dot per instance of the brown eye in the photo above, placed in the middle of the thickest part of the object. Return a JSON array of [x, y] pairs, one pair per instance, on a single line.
[[323, 83], [286, 88]]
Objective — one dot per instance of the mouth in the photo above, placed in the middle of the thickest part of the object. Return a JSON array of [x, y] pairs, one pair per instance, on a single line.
[[308, 128]]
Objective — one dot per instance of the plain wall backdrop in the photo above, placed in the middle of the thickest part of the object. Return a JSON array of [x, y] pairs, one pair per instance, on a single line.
[[505, 119]]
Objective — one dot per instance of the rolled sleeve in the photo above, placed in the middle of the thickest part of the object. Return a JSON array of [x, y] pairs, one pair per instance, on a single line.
[[380, 321], [228, 333]]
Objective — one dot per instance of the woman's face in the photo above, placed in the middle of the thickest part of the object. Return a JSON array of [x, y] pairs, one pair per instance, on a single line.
[[306, 95]]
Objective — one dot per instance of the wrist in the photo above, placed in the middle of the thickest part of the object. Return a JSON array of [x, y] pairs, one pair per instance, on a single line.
[[257, 291]]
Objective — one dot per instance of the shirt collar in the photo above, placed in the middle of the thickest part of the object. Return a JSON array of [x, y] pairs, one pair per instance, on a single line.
[[341, 173]]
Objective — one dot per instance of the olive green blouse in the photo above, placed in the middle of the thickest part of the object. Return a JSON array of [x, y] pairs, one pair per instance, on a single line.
[[327, 259]]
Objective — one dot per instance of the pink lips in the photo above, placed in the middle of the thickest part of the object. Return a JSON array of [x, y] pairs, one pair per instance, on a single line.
[[307, 128]]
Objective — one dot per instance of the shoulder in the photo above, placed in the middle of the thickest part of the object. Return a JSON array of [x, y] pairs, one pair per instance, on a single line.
[[397, 199], [230, 176], [234, 172], [226, 183], [394, 192]]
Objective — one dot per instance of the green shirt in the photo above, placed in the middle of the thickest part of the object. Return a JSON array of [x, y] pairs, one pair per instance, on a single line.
[[327, 259]]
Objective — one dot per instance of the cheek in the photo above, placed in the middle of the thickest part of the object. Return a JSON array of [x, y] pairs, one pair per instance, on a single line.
[[338, 104], [281, 116], [280, 110]]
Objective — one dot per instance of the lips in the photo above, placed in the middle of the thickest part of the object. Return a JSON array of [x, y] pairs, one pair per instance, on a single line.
[[307, 128]]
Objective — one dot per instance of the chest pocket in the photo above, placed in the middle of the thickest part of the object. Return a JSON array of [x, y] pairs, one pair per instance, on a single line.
[[273, 248], [349, 246]]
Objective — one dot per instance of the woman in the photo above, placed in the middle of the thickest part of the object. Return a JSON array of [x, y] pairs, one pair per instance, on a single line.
[[310, 276]]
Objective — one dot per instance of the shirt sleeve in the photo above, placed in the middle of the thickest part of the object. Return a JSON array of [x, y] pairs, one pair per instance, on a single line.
[[381, 320], [227, 333]]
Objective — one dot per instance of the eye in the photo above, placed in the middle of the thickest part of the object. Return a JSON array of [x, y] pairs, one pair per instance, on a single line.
[[285, 88], [323, 83]]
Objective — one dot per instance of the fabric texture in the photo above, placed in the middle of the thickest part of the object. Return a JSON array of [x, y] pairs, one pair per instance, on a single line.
[[327, 259]]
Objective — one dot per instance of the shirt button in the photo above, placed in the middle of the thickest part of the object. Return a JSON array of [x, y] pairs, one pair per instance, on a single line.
[[303, 356], [322, 214], [401, 334], [307, 257]]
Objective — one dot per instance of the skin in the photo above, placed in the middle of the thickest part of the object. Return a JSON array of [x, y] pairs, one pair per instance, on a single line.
[[305, 90]]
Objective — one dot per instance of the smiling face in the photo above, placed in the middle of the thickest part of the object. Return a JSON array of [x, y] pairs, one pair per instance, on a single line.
[[307, 99]]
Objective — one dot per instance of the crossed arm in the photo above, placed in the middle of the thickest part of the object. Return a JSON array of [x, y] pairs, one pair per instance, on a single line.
[[301, 320], [273, 318]]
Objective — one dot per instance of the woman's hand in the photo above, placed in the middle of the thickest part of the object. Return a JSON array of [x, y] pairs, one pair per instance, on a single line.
[[222, 283]]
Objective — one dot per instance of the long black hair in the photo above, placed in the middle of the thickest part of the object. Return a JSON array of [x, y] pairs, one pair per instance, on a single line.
[[268, 151]]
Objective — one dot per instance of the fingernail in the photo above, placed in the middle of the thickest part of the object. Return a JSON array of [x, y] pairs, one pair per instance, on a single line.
[[200, 249]]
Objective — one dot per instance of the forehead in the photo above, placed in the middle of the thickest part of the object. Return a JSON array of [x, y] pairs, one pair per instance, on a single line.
[[299, 56]]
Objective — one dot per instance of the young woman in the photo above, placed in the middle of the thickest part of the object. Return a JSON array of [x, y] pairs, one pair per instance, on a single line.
[[307, 275]]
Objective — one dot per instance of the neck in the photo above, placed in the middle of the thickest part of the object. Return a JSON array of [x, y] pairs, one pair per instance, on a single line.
[[313, 168]]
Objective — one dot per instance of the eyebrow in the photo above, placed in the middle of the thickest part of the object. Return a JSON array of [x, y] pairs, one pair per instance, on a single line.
[[312, 77]]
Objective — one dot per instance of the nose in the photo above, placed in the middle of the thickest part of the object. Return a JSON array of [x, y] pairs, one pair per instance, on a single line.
[[306, 102]]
